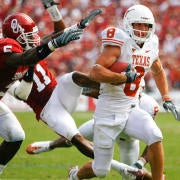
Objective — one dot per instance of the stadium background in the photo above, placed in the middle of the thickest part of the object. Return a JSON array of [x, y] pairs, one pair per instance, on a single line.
[[80, 55]]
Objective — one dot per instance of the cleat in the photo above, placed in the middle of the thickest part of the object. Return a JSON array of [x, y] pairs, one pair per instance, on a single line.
[[130, 173], [48, 3], [38, 147], [72, 173], [89, 18], [136, 173]]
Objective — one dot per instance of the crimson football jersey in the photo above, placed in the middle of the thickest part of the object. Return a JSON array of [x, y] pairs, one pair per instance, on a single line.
[[9, 74], [43, 85]]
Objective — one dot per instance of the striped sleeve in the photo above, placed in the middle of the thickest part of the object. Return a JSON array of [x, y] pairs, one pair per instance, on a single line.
[[113, 36]]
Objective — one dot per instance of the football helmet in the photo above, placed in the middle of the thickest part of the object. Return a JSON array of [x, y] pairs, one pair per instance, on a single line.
[[21, 28], [139, 14]]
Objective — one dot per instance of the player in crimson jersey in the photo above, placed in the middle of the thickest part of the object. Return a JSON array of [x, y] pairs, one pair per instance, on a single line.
[[116, 109], [20, 48]]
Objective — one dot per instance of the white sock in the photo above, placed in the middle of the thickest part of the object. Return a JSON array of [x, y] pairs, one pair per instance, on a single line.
[[2, 168], [120, 167]]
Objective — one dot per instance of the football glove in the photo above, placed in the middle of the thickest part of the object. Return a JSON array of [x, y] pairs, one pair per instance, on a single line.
[[28, 76], [67, 36], [131, 76], [170, 107], [48, 3], [89, 18]]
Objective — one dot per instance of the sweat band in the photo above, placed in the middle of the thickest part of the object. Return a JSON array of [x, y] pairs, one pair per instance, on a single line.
[[54, 13], [43, 51]]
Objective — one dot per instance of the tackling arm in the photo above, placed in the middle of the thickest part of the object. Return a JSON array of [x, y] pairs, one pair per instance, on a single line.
[[34, 55]]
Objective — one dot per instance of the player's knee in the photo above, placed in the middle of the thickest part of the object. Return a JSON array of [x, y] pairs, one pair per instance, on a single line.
[[17, 135], [101, 173], [156, 137]]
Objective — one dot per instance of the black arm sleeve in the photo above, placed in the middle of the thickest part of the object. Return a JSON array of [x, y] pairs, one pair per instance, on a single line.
[[29, 57]]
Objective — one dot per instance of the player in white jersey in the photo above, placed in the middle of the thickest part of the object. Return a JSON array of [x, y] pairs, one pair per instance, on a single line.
[[116, 109], [129, 146]]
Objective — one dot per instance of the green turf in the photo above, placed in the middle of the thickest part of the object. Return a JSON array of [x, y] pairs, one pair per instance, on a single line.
[[54, 165]]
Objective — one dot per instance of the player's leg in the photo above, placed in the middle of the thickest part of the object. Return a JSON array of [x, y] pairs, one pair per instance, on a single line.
[[146, 130], [45, 146], [12, 133], [103, 150], [129, 149], [86, 129], [150, 105], [68, 94], [57, 115]]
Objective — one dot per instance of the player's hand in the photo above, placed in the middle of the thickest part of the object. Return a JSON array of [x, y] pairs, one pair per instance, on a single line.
[[67, 36], [131, 76], [170, 107], [89, 18], [28, 76], [48, 3]]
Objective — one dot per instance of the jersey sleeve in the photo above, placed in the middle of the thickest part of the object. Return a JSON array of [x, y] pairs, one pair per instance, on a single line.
[[113, 36], [8, 45]]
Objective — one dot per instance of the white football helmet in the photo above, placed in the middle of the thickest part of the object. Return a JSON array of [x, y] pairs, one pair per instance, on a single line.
[[139, 14]]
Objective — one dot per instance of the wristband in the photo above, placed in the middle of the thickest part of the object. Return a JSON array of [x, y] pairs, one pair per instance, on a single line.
[[54, 13], [43, 51], [166, 97]]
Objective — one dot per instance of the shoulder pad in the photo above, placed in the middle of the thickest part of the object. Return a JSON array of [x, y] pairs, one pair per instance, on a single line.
[[114, 36], [8, 45]]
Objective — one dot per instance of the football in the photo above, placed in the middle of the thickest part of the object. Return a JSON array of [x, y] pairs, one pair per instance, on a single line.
[[120, 66]]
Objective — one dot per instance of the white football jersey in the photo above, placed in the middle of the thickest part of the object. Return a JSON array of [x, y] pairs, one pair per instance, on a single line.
[[141, 60]]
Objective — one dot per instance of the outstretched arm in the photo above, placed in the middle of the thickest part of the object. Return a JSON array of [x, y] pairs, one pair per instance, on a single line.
[[34, 55]]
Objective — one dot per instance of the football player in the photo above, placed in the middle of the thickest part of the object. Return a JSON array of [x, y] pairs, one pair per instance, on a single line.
[[116, 108], [21, 34], [20, 48], [129, 147]]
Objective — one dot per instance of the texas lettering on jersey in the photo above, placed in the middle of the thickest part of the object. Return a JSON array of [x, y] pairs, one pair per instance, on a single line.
[[140, 60]]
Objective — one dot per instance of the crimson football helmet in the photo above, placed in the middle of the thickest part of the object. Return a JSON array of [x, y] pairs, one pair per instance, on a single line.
[[21, 28], [139, 14]]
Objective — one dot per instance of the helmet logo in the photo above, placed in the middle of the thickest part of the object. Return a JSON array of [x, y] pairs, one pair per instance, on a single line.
[[145, 18], [15, 26]]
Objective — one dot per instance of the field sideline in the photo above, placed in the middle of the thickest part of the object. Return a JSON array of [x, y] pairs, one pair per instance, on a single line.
[[54, 165]]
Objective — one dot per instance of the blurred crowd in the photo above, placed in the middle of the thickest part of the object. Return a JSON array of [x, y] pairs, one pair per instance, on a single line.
[[80, 55]]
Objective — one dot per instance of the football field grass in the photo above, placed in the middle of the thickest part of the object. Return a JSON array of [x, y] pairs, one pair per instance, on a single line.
[[54, 165]]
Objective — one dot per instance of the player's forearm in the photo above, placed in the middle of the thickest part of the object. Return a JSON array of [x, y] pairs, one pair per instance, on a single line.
[[100, 74], [161, 83], [90, 92], [29, 57], [83, 80]]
